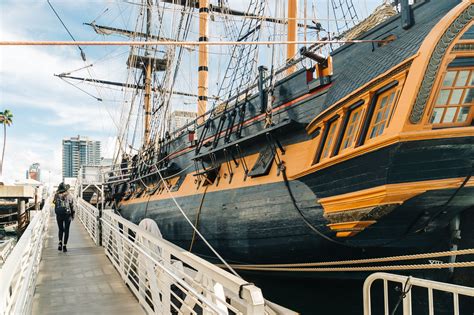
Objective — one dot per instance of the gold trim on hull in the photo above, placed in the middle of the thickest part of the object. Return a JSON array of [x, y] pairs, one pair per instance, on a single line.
[[348, 229], [387, 194]]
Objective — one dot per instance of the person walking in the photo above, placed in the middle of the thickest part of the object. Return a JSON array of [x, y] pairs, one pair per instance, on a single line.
[[64, 209]]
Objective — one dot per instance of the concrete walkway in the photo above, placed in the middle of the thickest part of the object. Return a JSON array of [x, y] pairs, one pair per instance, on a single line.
[[81, 281]]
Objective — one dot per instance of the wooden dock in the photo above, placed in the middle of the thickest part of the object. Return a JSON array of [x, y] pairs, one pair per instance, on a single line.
[[81, 281]]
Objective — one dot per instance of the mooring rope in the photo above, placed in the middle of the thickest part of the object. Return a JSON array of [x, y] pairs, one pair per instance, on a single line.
[[305, 267], [368, 268]]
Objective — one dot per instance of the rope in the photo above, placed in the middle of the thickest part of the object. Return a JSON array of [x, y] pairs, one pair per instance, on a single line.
[[178, 43], [406, 288], [368, 268], [196, 223], [196, 230], [293, 200], [83, 55], [468, 177], [460, 252]]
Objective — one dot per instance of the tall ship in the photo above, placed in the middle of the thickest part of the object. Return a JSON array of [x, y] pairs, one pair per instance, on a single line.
[[359, 144]]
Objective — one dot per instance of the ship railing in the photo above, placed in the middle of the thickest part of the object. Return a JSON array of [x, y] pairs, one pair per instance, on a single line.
[[19, 272], [405, 294], [165, 278], [117, 173]]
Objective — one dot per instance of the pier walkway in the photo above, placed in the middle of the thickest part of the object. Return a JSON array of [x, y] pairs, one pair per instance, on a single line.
[[81, 281]]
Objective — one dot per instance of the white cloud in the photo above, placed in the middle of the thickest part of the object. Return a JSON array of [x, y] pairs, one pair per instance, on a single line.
[[46, 109], [22, 152]]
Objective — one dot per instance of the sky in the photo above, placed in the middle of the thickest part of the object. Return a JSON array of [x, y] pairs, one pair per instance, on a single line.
[[47, 109]]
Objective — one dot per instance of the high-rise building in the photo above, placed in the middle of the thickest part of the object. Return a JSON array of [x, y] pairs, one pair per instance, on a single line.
[[78, 151], [34, 172], [180, 118]]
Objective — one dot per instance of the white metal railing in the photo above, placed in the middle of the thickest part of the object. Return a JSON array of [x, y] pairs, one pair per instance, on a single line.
[[5, 249], [89, 216], [19, 272], [407, 283], [167, 279]]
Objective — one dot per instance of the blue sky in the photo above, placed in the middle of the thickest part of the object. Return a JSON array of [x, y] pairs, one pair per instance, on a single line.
[[47, 110]]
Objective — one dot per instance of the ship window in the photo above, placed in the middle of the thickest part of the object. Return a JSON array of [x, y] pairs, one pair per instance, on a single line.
[[455, 98], [351, 130], [329, 140], [381, 113]]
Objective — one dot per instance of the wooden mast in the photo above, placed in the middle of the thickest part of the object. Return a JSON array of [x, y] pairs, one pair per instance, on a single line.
[[203, 59], [147, 83], [292, 32]]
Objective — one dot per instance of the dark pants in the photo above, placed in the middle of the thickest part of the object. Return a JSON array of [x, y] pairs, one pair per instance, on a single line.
[[64, 221]]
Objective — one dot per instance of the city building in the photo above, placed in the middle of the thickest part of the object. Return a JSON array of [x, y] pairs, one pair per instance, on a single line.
[[78, 151], [34, 172], [180, 118]]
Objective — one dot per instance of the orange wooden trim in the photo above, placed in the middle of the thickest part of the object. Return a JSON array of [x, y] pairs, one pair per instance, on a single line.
[[352, 225], [348, 229], [386, 140], [387, 194], [345, 234]]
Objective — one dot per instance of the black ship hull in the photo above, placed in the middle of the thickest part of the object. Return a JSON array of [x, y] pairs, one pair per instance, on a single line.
[[261, 224]]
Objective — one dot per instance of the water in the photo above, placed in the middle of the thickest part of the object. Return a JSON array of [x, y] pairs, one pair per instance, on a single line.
[[335, 296], [312, 296]]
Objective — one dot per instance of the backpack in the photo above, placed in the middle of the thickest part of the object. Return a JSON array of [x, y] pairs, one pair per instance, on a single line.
[[61, 205]]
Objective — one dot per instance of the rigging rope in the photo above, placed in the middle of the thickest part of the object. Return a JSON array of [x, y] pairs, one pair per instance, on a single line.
[[305, 220], [83, 55], [195, 229], [198, 215]]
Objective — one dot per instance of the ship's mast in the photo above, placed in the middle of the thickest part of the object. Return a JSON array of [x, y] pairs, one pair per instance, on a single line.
[[203, 58], [147, 69], [292, 32]]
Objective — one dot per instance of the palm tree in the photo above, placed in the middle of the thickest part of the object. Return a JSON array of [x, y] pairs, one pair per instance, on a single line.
[[5, 119]]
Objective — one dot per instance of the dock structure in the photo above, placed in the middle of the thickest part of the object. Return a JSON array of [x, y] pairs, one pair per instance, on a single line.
[[113, 266], [22, 193]]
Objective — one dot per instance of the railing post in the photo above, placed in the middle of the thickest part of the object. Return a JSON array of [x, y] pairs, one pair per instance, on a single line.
[[98, 226]]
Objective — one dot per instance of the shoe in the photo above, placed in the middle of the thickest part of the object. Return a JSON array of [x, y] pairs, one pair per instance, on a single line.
[[60, 246], [64, 248]]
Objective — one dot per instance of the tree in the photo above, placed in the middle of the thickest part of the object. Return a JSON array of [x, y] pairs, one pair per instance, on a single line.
[[5, 119]]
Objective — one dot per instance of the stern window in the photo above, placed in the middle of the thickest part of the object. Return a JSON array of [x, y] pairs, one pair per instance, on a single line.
[[329, 140], [455, 98], [382, 112], [351, 130]]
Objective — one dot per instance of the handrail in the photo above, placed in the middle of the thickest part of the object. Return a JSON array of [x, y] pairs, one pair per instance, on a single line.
[[153, 267], [408, 283], [19, 273], [89, 216], [5, 249]]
